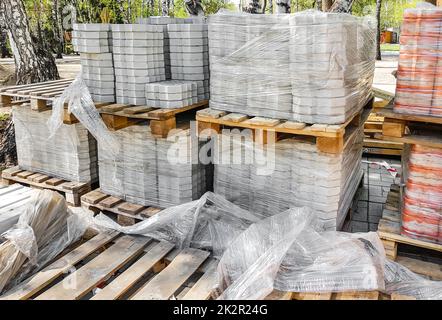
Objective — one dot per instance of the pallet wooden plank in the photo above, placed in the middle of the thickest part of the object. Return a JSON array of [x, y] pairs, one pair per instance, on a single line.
[[293, 125], [149, 212], [137, 109], [120, 285], [60, 266], [168, 281], [279, 295], [39, 178], [110, 202], [261, 121], [114, 107], [32, 85], [428, 140], [414, 242], [24, 174], [425, 268], [92, 273], [357, 295], [130, 208], [388, 112], [312, 296], [235, 117], [11, 172], [211, 113], [94, 197], [203, 288], [74, 186], [54, 181]]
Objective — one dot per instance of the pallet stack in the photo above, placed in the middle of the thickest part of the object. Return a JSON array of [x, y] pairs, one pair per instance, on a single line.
[[415, 120], [94, 42], [314, 162]]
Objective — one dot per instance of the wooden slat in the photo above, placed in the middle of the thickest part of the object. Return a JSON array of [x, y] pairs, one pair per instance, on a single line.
[[168, 281], [312, 296], [54, 181], [94, 197], [203, 288], [110, 202], [39, 89], [25, 174], [130, 208], [137, 109], [61, 266], [432, 141], [130, 276], [418, 243], [429, 269], [362, 295], [79, 283], [32, 85], [388, 112]]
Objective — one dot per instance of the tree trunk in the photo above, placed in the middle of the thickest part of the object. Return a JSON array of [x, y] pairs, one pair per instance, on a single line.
[[378, 29], [8, 152], [319, 5], [32, 62], [326, 5], [58, 29], [194, 7], [251, 6], [4, 52], [341, 6], [164, 7], [283, 6], [271, 6]]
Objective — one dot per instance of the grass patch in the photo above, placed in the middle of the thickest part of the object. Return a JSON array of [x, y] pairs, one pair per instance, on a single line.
[[390, 47], [4, 116]]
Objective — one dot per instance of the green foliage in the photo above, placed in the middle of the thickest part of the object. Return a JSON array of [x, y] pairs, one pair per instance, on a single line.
[[392, 11]]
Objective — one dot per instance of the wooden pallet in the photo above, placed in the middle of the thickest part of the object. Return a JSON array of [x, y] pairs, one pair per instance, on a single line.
[[113, 266], [71, 190], [373, 127], [380, 147], [389, 230], [38, 94], [127, 213], [329, 138], [161, 120], [395, 124]]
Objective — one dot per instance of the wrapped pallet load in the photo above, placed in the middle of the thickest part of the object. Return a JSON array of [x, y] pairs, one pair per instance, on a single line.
[[289, 173], [422, 202], [151, 170], [419, 76], [70, 153], [311, 67]]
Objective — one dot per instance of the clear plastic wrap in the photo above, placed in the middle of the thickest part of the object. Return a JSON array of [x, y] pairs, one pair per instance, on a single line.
[[311, 66], [285, 251], [71, 154], [154, 171], [45, 228], [398, 279], [80, 104], [289, 173], [422, 202], [419, 76]]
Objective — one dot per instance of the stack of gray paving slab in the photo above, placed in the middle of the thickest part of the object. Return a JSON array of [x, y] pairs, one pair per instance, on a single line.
[[310, 67], [189, 56], [139, 59], [164, 21], [70, 154], [94, 42], [153, 171], [171, 94], [290, 173], [332, 60], [249, 64]]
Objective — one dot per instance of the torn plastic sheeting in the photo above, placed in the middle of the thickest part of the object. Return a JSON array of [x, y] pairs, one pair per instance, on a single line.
[[252, 247], [80, 104], [211, 222], [45, 228], [286, 252], [401, 280]]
